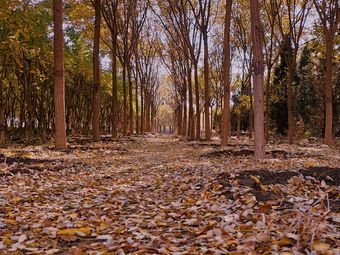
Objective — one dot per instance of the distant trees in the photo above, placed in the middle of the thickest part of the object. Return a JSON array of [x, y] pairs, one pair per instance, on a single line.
[[114, 68]]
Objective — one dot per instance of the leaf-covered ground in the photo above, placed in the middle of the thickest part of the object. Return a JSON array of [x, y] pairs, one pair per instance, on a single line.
[[161, 195]]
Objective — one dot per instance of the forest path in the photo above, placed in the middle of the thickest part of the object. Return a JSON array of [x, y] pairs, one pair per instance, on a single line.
[[161, 195]]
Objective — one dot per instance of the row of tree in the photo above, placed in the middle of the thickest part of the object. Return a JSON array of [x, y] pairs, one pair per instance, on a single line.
[[215, 68], [291, 32]]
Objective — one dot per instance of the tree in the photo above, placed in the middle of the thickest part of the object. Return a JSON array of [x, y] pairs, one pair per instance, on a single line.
[[226, 75], [258, 69], [271, 56], [110, 13], [96, 73], [291, 18], [329, 14], [59, 86]]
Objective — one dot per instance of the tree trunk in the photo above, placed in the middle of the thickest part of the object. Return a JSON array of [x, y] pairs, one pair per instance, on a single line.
[[124, 99], [96, 74], [130, 98], [59, 87], [206, 86], [197, 99], [191, 130], [185, 119], [328, 94], [114, 86], [258, 69], [142, 115], [225, 129]]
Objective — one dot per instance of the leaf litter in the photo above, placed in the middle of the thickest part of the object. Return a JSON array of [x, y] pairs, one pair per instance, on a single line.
[[149, 195]]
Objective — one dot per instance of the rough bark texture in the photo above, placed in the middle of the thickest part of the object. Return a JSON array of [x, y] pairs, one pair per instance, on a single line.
[[258, 69], [96, 74], [59, 87], [225, 130]]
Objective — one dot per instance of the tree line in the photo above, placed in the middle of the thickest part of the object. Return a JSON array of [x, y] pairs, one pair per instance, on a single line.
[[102, 66]]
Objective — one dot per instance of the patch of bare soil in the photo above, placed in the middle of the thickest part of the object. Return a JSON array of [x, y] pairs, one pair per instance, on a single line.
[[256, 179]]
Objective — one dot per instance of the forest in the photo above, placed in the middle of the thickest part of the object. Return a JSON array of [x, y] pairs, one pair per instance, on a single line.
[[169, 127]]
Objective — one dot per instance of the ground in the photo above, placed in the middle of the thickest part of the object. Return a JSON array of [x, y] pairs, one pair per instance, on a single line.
[[161, 195]]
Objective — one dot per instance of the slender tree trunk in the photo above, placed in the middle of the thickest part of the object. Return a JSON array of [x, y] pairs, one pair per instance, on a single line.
[[197, 99], [225, 130], [185, 112], [206, 86], [191, 129], [258, 69], [328, 93], [142, 107], [114, 87], [179, 119], [130, 98], [59, 87], [96, 74], [125, 106], [137, 107]]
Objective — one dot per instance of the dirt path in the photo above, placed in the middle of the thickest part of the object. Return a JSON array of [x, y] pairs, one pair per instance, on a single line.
[[161, 196]]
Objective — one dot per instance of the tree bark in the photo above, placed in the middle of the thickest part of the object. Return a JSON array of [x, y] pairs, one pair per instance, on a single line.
[[328, 94], [125, 106], [258, 69], [197, 99], [206, 85], [225, 129], [130, 98], [59, 87], [114, 86], [96, 74], [191, 130], [185, 119]]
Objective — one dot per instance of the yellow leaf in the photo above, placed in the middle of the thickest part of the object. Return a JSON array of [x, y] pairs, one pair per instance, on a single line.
[[257, 180], [283, 241], [320, 246], [12, 222], [74, 231]]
